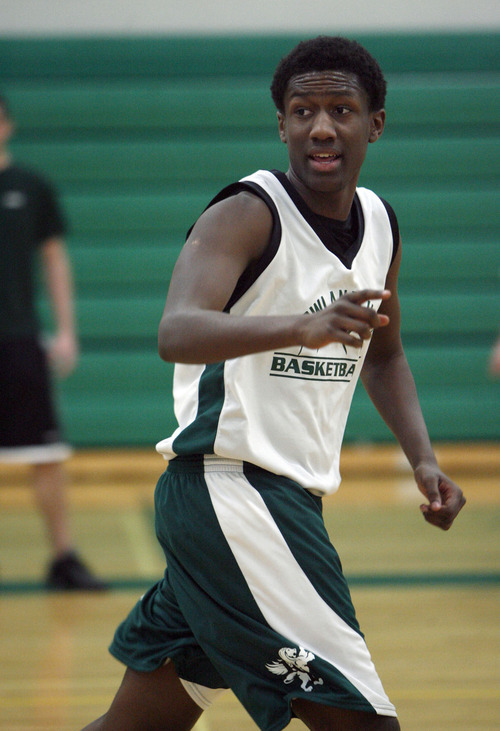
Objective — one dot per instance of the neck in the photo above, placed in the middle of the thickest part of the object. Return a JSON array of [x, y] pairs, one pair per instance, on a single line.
[[328, 203]]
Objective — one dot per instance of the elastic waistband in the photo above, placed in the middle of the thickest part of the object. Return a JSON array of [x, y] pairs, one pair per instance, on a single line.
[[202, 463], [206, 463]]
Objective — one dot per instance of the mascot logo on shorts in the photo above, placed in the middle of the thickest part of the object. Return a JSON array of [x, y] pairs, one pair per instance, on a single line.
[[294, 664]]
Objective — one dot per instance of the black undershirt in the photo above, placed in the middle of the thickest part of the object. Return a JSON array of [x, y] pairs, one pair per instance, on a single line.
[[342, 238]]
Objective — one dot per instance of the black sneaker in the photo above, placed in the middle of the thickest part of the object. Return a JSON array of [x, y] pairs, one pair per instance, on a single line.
[[70, 573]]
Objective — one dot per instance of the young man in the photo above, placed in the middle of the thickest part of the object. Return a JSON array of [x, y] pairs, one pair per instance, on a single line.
[[284, 293], [31, 222]]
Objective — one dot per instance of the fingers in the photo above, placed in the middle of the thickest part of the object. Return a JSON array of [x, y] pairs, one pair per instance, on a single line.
[[429, 486], [356, 320], [353, 332], [446, 500], [367, 295], [346, 321]]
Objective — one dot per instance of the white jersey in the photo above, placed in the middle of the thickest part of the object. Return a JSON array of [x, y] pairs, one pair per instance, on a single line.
[[285, 410]]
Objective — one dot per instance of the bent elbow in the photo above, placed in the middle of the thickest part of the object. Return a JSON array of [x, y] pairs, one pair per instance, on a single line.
[[164, 352], [165, 345]]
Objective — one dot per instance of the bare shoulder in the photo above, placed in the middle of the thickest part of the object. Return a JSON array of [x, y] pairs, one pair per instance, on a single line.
[[226, 238], [242, 222]]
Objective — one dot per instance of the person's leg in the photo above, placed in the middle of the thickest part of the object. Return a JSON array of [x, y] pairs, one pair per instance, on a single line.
[[29, 434], [50, 498], [66, 571], [154, 701], [319, 717]]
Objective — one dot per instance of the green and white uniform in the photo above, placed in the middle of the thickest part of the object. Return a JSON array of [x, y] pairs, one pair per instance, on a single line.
[[254, 597], [285, 410]]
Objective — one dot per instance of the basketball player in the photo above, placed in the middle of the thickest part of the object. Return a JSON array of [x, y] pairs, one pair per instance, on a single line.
[[283, 295]]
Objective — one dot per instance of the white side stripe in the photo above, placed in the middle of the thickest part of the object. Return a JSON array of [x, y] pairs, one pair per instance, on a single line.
[[283, 592]]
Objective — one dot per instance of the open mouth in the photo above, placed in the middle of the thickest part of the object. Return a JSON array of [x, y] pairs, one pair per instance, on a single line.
[[325, 159], [325, 156]]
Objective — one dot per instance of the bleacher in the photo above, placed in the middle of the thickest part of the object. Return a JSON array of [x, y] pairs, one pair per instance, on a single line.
[[139, 133]]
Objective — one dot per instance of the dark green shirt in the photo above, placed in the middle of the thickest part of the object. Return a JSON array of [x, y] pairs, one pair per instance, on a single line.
[[29, 215]]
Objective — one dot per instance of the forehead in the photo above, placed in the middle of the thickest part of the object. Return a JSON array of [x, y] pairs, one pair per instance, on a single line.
[[325, 83]]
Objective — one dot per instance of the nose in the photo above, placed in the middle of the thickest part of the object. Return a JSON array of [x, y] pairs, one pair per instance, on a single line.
[[323, 126]]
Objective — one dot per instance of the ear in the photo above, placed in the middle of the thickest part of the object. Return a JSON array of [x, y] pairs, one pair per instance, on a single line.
[[377, 124], [281, 126]]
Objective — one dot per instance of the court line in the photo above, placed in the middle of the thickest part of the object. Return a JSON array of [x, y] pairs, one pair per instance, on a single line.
[[137, 583]]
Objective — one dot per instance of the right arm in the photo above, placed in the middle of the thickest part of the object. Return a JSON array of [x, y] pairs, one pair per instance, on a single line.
[[224, 241], [63, 351]]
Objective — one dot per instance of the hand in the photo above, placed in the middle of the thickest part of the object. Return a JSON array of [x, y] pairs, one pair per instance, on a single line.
[[446, 499], [62, 351], [345, 321]]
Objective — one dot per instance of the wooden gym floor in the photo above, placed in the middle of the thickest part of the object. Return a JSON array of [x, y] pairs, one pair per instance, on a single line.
[[427, 601]]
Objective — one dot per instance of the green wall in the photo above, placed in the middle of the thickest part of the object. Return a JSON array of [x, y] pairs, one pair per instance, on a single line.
[[139, 133]]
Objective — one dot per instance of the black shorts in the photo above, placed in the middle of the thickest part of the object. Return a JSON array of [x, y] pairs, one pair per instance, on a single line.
[[29, 431]]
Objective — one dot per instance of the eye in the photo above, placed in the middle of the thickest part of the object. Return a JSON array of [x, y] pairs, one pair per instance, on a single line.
[[341, 110], [301, 112]]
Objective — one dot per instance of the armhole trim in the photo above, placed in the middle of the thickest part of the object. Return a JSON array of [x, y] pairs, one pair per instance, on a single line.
[[255, 269], [394, 228]]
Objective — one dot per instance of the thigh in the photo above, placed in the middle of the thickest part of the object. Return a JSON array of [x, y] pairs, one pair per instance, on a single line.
[[154, 700]]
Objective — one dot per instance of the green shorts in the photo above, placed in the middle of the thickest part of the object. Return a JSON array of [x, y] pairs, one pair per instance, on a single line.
[[253, 597]]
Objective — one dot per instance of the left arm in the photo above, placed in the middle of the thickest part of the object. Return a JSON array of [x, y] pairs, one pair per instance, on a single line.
[[389, 382], [63, 350]]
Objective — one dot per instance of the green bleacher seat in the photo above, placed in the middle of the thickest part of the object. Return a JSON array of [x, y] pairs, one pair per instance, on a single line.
[[453, 413], [415, 106], [111, 58], [422, 210], [138, 135], [126, 317], [132, 165]]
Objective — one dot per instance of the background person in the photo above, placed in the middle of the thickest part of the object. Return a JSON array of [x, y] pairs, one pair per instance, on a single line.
[[31, 223]]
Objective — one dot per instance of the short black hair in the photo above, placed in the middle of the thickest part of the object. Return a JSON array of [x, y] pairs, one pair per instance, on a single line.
[[331, 53]]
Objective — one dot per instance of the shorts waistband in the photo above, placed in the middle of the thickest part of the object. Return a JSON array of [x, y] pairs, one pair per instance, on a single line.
[[205, 463], [202, 463]]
